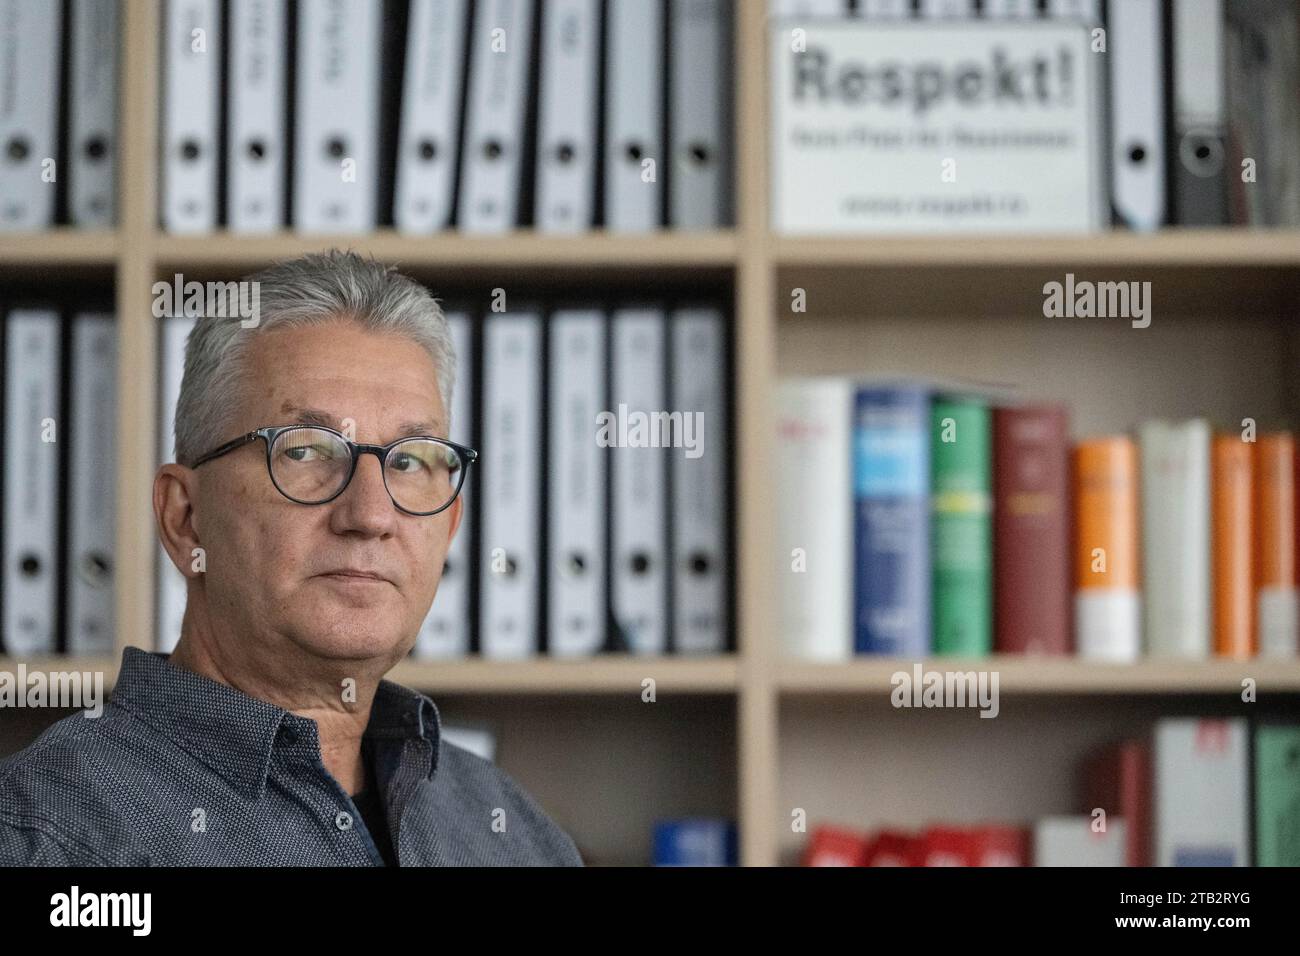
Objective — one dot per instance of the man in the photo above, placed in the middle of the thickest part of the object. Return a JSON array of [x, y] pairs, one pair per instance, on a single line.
[[312, 556]]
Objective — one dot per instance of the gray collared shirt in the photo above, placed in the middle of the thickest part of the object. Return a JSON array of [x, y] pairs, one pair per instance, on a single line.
[[181, 770]]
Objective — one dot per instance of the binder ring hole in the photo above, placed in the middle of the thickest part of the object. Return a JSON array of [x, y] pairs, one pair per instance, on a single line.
[[699, 154], [565, 153], [448, 568], [30, 565], [428, 150], [17, 149], [95, 569], [699, 563], [336, 147], [190, 150], [511, 567], [96, 148], [635, 152], [1137, 153], [256, 149], [640, 562], [576, 564], [493, 149]]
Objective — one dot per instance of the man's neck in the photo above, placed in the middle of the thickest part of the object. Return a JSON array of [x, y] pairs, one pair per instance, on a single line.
[[340, 722]]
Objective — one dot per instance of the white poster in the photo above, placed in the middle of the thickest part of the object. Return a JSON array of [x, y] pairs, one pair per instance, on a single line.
[[936, 128]]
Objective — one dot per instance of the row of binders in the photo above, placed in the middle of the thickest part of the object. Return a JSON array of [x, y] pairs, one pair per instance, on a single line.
[[1179, 796], [338, 116], [922, 519], [58, 410], [1204, 98], [597, 516]]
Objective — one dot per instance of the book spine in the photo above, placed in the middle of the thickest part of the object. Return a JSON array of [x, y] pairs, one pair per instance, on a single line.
[[1277, 607], [1107, 610], [1233, 531], [891, 473], [963, 527], [1031, 530]]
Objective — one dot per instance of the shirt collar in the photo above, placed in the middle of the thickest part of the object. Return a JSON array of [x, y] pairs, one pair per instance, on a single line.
[[236, 734]]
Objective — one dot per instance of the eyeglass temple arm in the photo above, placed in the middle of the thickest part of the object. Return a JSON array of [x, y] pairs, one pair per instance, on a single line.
[[228, 447]]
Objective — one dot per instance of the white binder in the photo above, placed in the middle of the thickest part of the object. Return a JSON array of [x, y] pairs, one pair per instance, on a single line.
[[171, 583], [1137, 92], [500, 63], [780, 9], [1200, 114], [33, 446], [699, 118], [947, 9], [699, 480], [577, 498], [1089, 11], [29, 112], [429, 135], [512, 463], [91, 471], [336, 121], [569, 94], [885, 9], [638, 547], [92, 113], [445, 632], [1011, 9], [191, 87], [634, 113], [1201, 801], [256, 140]]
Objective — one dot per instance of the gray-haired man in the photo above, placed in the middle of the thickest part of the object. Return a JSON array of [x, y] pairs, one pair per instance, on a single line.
[[311, 505]]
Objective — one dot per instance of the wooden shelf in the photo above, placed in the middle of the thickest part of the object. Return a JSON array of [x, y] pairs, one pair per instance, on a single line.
[[1188, 248], [60, 247], [543, 677], [1044, 676]]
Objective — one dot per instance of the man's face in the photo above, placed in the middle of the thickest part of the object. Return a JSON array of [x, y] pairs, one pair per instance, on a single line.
[[269, 559]]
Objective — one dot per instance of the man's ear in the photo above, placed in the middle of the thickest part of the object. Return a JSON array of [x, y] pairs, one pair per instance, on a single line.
[[174, 517]]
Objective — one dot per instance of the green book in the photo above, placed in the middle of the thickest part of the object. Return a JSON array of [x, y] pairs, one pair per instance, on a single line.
[[1277, 795], [961, 545]]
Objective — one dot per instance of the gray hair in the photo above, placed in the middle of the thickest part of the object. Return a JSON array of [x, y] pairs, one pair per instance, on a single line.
[[310, 290]]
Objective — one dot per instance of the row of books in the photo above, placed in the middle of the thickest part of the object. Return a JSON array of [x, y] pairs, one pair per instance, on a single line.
[[1202, 97], [1178, 797], [438, 114], [920, 519], [597, 517]]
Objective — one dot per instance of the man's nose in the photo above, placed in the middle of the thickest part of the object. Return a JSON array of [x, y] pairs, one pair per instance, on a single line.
[[365, 504]]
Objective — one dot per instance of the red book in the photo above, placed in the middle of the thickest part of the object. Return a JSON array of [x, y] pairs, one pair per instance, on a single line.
[[948, 846], [1000, 845], [835, 846], [1031, 530], [892, 848], [1117, 778]]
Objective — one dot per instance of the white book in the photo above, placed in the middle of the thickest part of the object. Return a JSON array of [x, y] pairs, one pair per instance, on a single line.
[[1201, 803], [814, 537], [1136, 56], [91, 473], [257, 134], [510, 556], [639, 507], [33, 447], [428, 139], [1011, 9], [171, 584], [947, 9], [566, 138], [1073, 841], [500, 63], [699, 461], [578, 505], [445, 632], [336, 120], [699, 76], [191, 90], [807, 8], [92, 113], [1089, 11], [1200, 114], [1175, 508], [634, 112], [30, 37]]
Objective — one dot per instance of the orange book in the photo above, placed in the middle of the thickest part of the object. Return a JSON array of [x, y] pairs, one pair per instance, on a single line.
[[1275, 556], [1232, 511], [1107, 597]]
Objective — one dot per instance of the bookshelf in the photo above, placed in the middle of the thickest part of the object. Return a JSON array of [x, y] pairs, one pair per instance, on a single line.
[[751, 735]]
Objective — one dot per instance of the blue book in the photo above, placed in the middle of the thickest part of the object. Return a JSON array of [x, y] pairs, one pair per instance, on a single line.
[[891, 549], [695, 841]]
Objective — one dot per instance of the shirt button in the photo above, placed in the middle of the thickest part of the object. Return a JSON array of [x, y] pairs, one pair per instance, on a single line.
[[288, 735], [343, 820]]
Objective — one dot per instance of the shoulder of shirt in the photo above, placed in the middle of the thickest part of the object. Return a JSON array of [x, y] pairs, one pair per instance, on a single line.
[[471, 779], [50, 793]]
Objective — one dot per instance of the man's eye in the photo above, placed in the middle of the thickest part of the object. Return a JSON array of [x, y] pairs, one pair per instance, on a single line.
[[308, 453]]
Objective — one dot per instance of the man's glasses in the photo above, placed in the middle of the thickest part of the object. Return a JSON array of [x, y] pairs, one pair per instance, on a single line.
[[312, 465]]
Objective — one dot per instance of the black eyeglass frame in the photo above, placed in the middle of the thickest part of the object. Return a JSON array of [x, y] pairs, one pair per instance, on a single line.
[[270, 433]]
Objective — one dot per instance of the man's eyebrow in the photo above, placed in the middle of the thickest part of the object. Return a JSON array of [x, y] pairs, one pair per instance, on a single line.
[[314, 416]]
